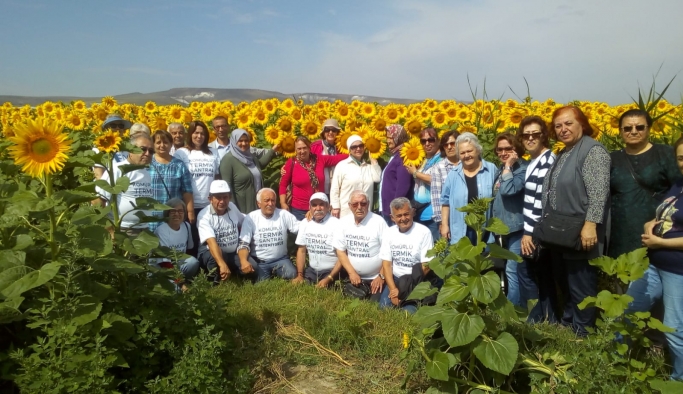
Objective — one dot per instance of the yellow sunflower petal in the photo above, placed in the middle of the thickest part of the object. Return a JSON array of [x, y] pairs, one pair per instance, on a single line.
[[40, 147]]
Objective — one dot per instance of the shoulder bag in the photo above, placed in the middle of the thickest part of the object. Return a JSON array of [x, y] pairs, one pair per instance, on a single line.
[[658, 196]]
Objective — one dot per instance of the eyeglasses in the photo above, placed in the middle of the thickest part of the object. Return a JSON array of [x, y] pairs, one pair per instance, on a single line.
[[505, 149], [116, 126], [220, 126], [147, 150], [639, 128], [449, 144], [359, 146], [328, 130], [357, 204], [176, 211], [535, 135], [431, 140]]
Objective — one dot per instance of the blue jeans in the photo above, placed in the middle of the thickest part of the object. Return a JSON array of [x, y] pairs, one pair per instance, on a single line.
[[433, 228], [514, 245], [656, 284], [281, 267], [385, 301], [387, 220], [299, 214]]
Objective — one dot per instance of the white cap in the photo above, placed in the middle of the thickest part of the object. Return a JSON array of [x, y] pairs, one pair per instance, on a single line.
[[218, 187], [319, 196], [352, 139]]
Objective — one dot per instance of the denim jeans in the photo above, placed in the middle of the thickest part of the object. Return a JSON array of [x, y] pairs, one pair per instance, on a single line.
[[656, 284], [299, 214], [514, 245], [281, 267], [387, 220], [385, 301], [433, 228]]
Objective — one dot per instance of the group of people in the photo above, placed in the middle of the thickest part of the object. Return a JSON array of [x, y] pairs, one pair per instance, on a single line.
[[601, 202]]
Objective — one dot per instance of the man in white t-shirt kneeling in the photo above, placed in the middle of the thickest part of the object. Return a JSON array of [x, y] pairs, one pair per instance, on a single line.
[[219, 226], [264, 237], [358, 243], [404, 245], [315, 239]]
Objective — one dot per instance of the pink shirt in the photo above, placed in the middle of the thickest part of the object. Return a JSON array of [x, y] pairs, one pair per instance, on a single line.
[[301, 182]]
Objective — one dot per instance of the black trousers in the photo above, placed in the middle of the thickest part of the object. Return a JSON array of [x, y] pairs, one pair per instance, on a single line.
[[536, 281], [576, 280]]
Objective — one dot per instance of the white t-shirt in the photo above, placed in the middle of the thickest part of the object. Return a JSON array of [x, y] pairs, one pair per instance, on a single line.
[[203, 168], [180, 240], [362, 243], [140, 186], [224, 228], [317, 238], [405, 250], [267, 237]]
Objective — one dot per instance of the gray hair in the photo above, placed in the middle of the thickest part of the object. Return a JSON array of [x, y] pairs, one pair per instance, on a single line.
[[358, 192], [258, 195], [398, 203], [137, 136], [176, 125], [469, 138], [139, 128], [172, 203]]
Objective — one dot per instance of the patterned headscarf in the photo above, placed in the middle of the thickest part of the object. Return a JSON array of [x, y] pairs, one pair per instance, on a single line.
[[399, 135]]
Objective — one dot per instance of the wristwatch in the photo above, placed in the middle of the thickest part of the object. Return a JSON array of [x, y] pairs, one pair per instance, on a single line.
[[381, 276], [415, 174]]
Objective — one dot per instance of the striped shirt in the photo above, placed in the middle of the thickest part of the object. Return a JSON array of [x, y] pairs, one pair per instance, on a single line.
[[533, 189]]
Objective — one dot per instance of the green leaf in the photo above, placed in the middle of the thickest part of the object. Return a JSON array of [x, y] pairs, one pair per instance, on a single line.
[[122, 184], [452, 290], [484, 288], [31, 280], [126, 168], [105, 185], [9, 310], [460, 329], [422, 290], [463, 250], [11, 258], [504, 308], [73, 197], [116, 263], [437, 368], [613, 305], [23, 241], [428, 315], [86, 215], [498, 251], [94, 241], [118, 326], [497, 226], [150, 204], [88, 309], [657, 324], [500, 354], [145, 243], [667, 386]]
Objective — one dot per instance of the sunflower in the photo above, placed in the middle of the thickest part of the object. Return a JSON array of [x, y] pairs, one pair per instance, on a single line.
[[158, 122], [310, 127], [558, 147], [243, 118], [151, 106], [467, 127], [362, 131], [446, 105], [379, 124], [430, 104], [252, 134], [40, 147], [414, 126], [261, 117], [342, 112], [79, 105], [368, 110], [207, 113], [375, 143], [108, 102], [439, 119], [296, 114], [288, 105], [108, 142], [270, 106], [286, 142], [272, 134], [341, 141], [74, 122], [412, 153], [286, 124], [392, 113], [516, 116]]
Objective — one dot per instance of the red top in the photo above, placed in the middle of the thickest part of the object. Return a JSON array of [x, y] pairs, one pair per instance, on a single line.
[[301, 182]]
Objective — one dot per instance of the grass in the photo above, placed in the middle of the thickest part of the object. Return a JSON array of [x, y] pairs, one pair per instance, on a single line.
[[303, 339]]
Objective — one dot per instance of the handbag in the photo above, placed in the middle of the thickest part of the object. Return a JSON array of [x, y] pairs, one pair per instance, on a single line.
[[418, 207], [362, 291]]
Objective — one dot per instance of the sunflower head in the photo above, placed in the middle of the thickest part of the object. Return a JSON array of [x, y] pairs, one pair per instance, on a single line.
[[310, 128], [341, 141], [414, 126], [272, 134], [151, 106], [286, 124], [380, 123], [375, 143], [286, 142], [40, 147], [368, 110], [412, 153], [108, 142]]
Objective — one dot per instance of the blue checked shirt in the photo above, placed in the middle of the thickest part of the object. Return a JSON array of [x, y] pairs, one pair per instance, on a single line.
[[439, 174], [170, 180]]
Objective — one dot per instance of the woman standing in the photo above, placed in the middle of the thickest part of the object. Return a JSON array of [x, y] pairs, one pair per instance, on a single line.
[[306, 174], [357, 172], [170, 177], [578, 187], [449, 152], [641, 174], [508, 192], [326, 146], [423, 181], [396, 181], [473, 178], [535, 273], [242, 170]]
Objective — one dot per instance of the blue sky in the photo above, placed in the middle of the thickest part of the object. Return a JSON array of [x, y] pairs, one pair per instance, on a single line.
[[587, 50]]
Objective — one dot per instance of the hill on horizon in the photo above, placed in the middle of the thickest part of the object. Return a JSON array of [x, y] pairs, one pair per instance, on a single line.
[[187, 95]]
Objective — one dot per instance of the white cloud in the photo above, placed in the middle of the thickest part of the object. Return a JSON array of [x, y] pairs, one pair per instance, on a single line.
[[571, 50]]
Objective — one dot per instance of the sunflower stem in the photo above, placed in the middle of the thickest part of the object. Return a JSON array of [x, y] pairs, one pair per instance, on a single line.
[[114, 197], [54, 248]]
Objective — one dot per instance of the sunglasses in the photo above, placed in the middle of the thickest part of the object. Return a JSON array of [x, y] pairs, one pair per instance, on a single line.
[[639, 128], [331, 130], [116, 126], [147, 150], [449, 144], [535, 135], [357, 204], [431, 140], [354, 147], [505, 149]]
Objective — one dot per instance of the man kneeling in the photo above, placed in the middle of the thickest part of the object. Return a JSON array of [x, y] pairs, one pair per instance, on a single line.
[[315, 238], [404, 246], [264, 237]]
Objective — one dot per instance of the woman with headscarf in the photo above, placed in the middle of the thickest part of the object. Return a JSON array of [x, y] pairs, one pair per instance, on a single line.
[[396, 181], [242, 170], [357, 172]]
